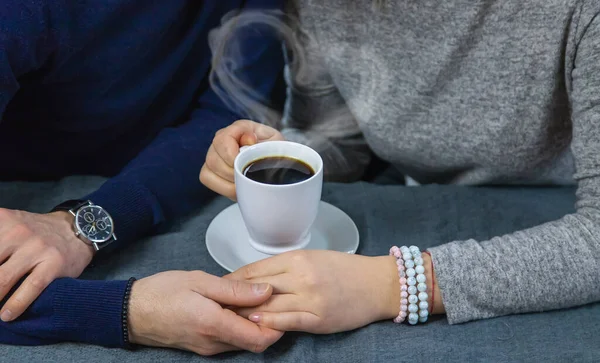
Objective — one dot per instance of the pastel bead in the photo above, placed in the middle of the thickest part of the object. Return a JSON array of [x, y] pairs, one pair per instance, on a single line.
[[399, 262], [423, 320], [402, 281], [397, 254], [403, 314], [404, 249], [403, 294], [407, 257], [422, 313], [412, 290], [418, 261], [394, 249], [413, 308], [423, 305], [404, 288], [416, 255], [421, 287], [413, 299], [403, 307], [404, 301], [401, 273], [413, 249], [413, 316], [411, 281], [409, 264], [423, 296], [411, 272], [420, 269], [421, 278], [398, 320]]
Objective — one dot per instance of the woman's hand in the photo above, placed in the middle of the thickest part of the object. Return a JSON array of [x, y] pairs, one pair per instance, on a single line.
[[323, 291], [217, 171]]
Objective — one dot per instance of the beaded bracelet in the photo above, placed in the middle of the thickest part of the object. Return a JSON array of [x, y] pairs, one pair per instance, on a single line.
[[125, 314], [412, 285], [395, 251]]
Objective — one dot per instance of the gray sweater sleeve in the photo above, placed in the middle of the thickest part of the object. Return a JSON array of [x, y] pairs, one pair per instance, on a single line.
[[317, 114], [554, 265]]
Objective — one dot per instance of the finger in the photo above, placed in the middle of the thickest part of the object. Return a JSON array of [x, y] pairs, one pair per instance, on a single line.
[[227, 143], [268, 267], [30, 289], [264, 133], [6, 250], [214, 348], [246, 335], [12, 271], [283, 283], [218, 165], [217, 184], [230, 292], [276, 304], [289, 321]]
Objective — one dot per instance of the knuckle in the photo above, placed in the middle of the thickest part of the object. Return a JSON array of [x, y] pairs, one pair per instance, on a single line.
[[5, 281], [20, 230], [212, 161], [259, 346], [56, 256], [37, 243], [249, 272], [38, 283], [235, 288]]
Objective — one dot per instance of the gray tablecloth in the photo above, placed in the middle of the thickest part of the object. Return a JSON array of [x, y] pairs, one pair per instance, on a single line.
[[385, 215]]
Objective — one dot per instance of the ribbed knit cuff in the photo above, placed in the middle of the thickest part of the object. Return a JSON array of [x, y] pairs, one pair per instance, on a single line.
[[90, 312], [134, 209]]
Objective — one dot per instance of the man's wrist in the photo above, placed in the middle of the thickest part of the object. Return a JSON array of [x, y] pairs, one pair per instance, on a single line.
[[67, 221]]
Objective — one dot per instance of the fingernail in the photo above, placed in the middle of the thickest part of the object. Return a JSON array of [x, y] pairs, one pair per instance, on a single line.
[[255, 318], [6, 316], [260, 289]]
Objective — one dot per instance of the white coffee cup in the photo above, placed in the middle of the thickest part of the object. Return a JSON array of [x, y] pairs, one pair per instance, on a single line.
[[278, 217]]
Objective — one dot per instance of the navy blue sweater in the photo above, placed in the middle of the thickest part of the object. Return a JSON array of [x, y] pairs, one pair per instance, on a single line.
[[117, 88]]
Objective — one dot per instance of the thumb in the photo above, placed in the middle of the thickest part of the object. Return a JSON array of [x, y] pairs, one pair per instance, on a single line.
[[248, 139], [238, 293]]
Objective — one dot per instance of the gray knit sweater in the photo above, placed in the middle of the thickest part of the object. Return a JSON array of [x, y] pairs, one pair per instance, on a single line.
[[467, 92]]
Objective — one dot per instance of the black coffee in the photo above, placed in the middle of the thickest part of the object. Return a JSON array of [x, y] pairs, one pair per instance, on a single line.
[[278, 170]]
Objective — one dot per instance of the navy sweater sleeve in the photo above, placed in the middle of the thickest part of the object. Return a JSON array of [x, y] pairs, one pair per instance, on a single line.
[[71, 310], [162, 182]]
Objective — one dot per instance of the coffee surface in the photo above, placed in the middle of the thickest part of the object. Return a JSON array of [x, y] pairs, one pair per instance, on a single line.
[[278, 170]]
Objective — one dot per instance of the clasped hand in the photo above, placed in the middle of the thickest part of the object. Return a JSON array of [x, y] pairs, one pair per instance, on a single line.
[[323, 292]]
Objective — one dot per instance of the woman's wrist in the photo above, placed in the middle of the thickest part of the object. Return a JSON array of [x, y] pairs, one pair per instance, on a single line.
[[435, 296], [391, 285]]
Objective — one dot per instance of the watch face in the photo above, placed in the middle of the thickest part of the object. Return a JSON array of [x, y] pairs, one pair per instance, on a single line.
[[94, 223]]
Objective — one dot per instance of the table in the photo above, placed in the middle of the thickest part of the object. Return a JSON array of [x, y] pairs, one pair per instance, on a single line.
[[385, 215]]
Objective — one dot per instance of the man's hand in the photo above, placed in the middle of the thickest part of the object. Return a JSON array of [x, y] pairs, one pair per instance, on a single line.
[[217, 171], [41, 245], [185, 310]]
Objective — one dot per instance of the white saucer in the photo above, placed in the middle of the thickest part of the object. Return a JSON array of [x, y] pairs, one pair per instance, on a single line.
[[227, 237]]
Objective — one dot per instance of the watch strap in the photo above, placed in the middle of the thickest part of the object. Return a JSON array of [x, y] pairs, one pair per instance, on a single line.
[[70, 205]]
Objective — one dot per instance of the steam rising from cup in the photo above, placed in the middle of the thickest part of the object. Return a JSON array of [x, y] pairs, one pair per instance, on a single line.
[[333, 118]]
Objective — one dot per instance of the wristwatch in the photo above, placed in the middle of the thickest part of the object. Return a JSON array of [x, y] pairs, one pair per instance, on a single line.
[[92, 224]]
